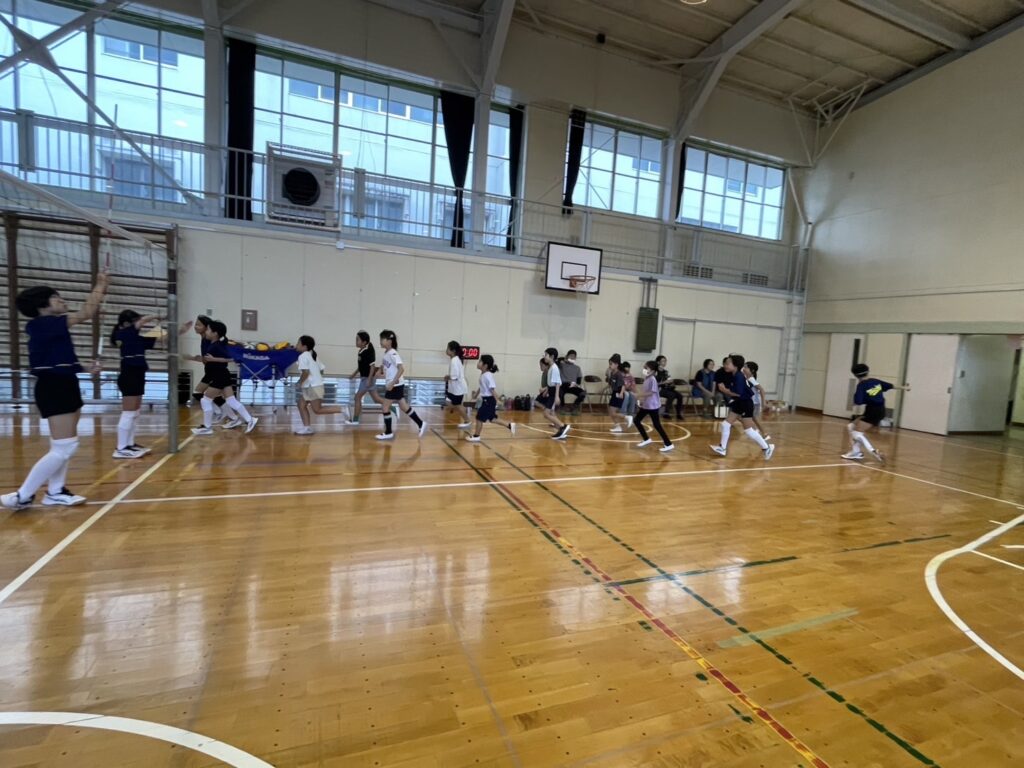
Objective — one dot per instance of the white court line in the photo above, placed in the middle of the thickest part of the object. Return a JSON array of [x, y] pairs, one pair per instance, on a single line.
[[482, 484], [931, 573], [998, 560], [945, 487], [68, 540], [1013, 546], [196, 742]]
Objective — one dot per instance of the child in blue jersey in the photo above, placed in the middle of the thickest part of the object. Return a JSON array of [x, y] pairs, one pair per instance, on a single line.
[[870, 394], [202, 322], [219, 381], [131, 381], [741, 408], [51, 355]]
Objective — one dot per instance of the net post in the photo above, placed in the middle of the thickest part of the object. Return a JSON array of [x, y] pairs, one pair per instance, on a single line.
[[13, 329], [173, 361]]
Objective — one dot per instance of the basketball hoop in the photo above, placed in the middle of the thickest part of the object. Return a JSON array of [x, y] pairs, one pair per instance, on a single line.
[[582, 283]]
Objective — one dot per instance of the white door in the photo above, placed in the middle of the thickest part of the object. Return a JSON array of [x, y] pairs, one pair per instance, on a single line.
[[677, 346], [931, 365], [844, 351]]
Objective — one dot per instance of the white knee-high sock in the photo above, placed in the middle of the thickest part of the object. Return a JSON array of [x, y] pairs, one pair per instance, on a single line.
[[207, 404], [238, 408], [860, 437], [134, 424], [124, 429], [66, 448], [754, 435], [41, 472], [726, 429]]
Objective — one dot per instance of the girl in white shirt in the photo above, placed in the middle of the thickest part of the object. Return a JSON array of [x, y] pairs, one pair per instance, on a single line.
[[394, 380], [488, 410], [311, 385], [455, 386]]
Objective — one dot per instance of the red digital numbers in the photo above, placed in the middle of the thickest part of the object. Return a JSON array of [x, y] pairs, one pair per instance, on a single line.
[[471, 353]]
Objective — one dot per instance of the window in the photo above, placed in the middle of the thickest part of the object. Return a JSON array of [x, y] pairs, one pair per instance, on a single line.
[[620, 170], [127, 49], [311, 90], [131, 176], [731, 194]]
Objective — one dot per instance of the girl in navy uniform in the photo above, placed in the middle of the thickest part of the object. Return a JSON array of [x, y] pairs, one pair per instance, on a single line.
[[394, 378], [487, 391], [870, 394], [132, 378], [200, 325], [741, 408], [219, 380], [55, 365]]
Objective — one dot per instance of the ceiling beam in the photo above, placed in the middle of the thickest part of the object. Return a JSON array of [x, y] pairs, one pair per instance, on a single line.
[[63, 31], [497, 20], [699, 80], [913, 22], [447, 16]]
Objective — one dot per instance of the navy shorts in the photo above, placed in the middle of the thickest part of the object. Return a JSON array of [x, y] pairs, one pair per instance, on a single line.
[[395, 393], [132, 381], [488, 410], [615, 402], [547, 401], [743, 407], [873, 414], [57, 395], [454, 399]]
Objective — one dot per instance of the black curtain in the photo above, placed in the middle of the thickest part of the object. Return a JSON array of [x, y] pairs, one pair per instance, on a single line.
[[458, 111], [577, 122], [241, 95], [681, 162], [515, 156]]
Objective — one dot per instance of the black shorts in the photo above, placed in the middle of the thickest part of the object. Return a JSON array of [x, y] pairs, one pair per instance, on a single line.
[[57, 395], [219, 379], [548, 400], [615, 402], [873, 414], [132, 381], [488, 410], [454, 399], [395, 393], [743, 407]]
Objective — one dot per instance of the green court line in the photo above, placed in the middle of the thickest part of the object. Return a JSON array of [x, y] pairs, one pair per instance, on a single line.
[[785, 629], [896, 739], [897, 542], [703, 571]]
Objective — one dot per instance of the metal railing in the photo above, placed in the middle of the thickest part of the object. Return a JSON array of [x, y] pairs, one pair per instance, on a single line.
[[102, 171]]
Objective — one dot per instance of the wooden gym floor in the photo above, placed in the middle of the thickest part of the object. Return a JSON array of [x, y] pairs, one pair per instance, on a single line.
[[331, 601]]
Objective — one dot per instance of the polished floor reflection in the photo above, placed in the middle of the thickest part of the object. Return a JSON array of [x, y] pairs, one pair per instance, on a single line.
[[332, 601]]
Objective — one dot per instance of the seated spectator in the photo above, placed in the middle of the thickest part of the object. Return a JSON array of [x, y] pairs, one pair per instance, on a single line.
[[572, 381]]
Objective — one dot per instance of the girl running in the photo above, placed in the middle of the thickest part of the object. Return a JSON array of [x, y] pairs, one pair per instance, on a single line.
[[617, 393], [200, 326], [550, 384], [650, 405], [366, 360], [455, 382], [394, 378], [750, 371], [311, 385], [488, 410], [741, 408], [55, 365], [132, 378], [870, 393], [216, 359]]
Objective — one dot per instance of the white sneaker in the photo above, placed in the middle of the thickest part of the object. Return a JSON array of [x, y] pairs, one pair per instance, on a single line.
[[858, 456], [202, 431], [127, 453], [878, 456], [14, 501], [473, 439], [667, 448], [352, 422], [561, 434], [769, 451], [252, 424], [390, 436], [767, 438], [63, 499], [423, 429], [718, 449], [303, 431], [142, 450], [512, 428], [466, 425], [644, 443], [629, 422], [235, 422], [616, 428]]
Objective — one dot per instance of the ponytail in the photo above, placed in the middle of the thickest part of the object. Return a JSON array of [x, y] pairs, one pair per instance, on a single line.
[[488, 360], [126, 318], [454, 346], [309, 343]]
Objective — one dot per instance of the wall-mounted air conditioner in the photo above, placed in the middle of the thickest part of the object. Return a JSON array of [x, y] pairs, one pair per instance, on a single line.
[[302, 187]]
